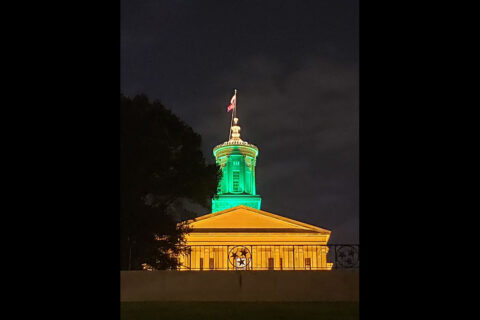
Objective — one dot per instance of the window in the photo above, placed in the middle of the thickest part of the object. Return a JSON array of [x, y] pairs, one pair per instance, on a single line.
[[281, 263], [308, 264], [270, 264], [211, 263], [201, 264], [236, 182]]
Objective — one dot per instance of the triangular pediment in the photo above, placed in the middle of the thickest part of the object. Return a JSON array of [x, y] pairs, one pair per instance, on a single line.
[[244, 218]]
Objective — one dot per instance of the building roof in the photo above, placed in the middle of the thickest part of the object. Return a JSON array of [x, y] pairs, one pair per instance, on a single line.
[[242, 218]]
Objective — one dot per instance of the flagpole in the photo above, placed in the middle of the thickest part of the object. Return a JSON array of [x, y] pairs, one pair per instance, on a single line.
[[235, 109], [230, 131], [234, 112]]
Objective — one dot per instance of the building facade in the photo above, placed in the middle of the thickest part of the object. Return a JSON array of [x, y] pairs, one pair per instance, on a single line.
[[237, 235], [244, 238]]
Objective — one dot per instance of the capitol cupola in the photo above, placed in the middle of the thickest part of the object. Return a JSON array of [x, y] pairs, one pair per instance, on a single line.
[[236, 159]]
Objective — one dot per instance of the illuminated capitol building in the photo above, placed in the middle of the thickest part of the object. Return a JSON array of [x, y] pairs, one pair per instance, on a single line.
[[237, 235]]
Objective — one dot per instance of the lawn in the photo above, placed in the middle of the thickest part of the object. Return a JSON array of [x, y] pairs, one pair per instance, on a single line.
[[238, 310]]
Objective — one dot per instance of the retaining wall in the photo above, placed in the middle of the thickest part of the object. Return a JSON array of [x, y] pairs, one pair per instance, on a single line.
[[335, 285]]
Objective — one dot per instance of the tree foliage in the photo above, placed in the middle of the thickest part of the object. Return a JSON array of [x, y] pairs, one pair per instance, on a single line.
[[161, 166]]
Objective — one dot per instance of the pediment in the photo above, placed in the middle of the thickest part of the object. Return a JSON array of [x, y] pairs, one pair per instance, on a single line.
[[246, 218]]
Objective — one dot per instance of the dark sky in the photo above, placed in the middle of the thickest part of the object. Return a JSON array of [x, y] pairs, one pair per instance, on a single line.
[[295, 65]]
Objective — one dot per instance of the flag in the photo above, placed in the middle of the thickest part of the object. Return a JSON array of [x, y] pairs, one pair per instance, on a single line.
[[232, 104]]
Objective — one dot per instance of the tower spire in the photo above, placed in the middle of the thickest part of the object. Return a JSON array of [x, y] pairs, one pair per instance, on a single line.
[[237, 160], [235, 132]]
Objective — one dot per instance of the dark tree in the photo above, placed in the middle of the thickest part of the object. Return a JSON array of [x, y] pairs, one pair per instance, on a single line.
[[162, 166]]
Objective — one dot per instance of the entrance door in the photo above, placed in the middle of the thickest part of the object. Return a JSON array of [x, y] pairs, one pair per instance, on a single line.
[[271, 265]]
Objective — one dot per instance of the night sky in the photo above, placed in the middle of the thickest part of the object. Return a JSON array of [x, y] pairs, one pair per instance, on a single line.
[[295, 65]]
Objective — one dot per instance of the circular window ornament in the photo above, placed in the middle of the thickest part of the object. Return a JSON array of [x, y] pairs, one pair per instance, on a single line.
[[347, 256], [240, 258]]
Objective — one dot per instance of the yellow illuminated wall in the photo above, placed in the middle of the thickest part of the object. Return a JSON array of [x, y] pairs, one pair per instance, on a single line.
[[244, 238]]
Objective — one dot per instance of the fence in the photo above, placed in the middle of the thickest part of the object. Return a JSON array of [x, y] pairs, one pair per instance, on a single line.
[[271, 257]]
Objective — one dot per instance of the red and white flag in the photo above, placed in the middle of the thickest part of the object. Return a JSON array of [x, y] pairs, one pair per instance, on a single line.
[[233, 103]]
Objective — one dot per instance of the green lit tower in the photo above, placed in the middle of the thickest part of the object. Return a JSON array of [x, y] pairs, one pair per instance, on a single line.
[[237, 160]]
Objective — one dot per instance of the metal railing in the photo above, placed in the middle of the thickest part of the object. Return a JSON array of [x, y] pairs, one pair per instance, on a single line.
[[271, 257]]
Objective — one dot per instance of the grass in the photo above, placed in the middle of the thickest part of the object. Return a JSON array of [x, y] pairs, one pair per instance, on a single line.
[[238, 310]]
